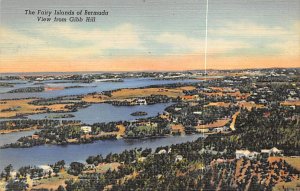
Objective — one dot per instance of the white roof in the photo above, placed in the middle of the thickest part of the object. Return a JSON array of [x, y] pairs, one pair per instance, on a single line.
[[246, 152], [162, 151], [45, 167], [274, 149], [265, 150]]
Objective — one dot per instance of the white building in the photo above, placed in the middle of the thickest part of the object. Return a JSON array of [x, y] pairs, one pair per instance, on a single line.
[[242, 153], [220, 129], [141, 101], [245, 153], [162, 151], [263, 101], [86, 129], [46, 168], [273, 151], [178, 158]]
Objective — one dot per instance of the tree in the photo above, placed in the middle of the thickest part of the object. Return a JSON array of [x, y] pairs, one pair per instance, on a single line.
[[49, 173], [7, 170], [61, 188], [76, 168], [13, 185]]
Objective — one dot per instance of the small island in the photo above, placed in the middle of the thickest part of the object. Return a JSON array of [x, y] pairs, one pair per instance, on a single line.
[[28, 90], [58, 116], [139, 113]]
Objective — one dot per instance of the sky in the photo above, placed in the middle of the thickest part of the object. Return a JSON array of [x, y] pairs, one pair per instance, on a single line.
[[150, 35]]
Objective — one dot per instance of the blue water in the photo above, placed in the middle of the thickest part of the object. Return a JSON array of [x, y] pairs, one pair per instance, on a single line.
[[13, 137], [49, 154], [89, 88], [95, 113], [106, 113]]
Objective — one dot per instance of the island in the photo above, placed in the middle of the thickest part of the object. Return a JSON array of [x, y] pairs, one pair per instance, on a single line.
[[139, 113]]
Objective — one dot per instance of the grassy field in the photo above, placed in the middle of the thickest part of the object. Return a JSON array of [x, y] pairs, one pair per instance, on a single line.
[[23, 106], [250, 105], [219, 104], [218, 123], [177, 128], [17, 107], [125, 94], [53, 182], [121, 131], [283, 186], [294, 162]]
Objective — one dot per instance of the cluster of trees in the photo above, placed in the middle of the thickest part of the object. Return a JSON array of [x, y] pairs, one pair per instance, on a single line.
[[139, 113], [19, 181], [163, 172], [28, 90], [104, 127], [58, 166], [11, 109], [5, 84], [28, 123], [57, 100], [153, 127], [209, 114], [267, 128], [56, 132]]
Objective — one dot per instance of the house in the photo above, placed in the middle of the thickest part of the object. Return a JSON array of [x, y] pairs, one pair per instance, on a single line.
[[271, 152], [86, 129], [242, 153], [178, 158], [89, 167], [206, 130], [292, 99], [46, 168], [197, 112], [141, 102], [245, 153], [177, 108], [162, 151], [39, 79], [263, 101], [220, 129]]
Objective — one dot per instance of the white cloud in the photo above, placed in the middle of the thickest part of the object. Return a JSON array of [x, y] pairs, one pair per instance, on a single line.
[[181, 42], [13, 42], [52, 41], [289, 45], [285, 40], [290, 48], [120, 37], [248, 29], [89, 42]]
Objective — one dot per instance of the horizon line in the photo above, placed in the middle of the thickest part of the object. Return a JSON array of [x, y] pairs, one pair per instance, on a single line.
[[155, 71]]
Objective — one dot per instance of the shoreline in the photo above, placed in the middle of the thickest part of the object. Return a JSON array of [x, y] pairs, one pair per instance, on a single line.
[[4, 132]]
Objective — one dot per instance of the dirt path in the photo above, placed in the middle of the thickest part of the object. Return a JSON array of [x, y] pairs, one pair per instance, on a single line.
[[232, 125]]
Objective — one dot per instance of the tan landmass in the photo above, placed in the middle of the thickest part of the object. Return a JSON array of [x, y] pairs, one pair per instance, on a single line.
[[290, 103], [218, 123], [23, 107], [124, 94]]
